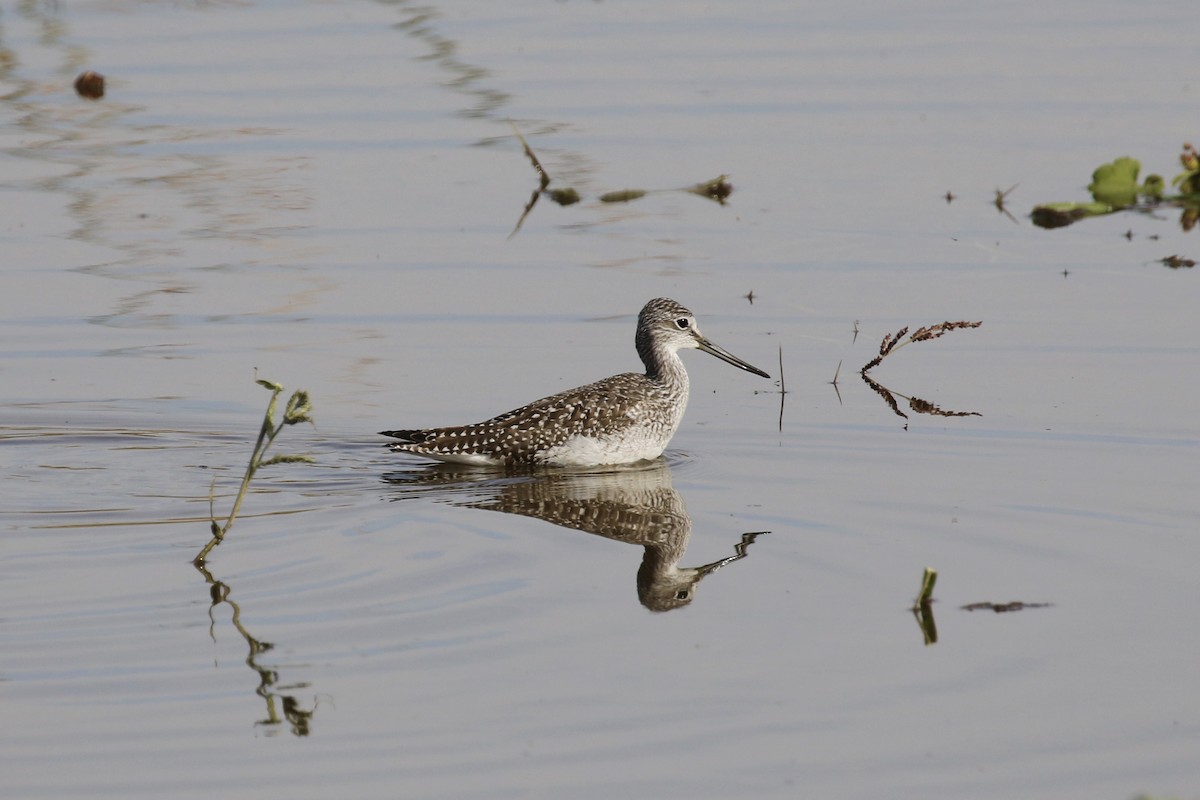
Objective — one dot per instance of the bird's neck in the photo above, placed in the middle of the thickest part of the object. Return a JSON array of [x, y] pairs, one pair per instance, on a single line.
[[666, 368]]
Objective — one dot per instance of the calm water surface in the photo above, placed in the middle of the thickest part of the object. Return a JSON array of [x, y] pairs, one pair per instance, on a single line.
[[325, 192]]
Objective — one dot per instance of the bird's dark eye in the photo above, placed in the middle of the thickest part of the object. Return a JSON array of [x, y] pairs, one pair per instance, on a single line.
[[682, 323]]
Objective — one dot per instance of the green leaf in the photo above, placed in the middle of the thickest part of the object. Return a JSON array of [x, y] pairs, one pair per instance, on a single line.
[[1153, 186], [1188, 182], [1116, 183]]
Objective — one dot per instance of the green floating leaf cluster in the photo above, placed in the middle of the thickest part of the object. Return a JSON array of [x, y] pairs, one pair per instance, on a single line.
[[1115, 187], [1116, 184]]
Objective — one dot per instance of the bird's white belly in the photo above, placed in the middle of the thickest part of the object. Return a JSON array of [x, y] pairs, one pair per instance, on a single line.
[[635, 444], [473, 459]]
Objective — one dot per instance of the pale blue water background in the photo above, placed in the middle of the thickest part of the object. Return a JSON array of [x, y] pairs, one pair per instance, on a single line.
[[324, 191]]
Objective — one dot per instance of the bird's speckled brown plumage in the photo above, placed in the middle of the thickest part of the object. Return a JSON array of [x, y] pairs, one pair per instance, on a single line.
[[626, 418]]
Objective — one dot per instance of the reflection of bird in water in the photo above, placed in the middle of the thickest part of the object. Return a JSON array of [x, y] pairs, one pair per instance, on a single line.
[[619, 420], [634, 505]]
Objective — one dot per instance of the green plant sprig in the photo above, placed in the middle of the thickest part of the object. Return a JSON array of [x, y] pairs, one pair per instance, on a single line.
[[297, 410]]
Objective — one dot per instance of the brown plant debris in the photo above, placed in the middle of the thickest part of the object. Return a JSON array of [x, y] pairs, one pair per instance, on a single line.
[[941, 329], [1177, 262], [1001, 608], [543, 176], [1000, 198], [925, 407], [1048, 217], [893, 341], [564, 197], [719, 188], [622, 195]]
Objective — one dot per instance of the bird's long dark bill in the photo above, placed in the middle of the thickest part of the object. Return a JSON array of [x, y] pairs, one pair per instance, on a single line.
[[726, 356]]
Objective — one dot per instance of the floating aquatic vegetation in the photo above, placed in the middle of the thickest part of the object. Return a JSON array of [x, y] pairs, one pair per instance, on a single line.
[[1000, 608], [282, 705], [893, 342], [622, 196], [1115, 184], [1060, 215], [922, 608], [298, 409], [1115, 187], [1188, 181], [564, 197], [928, 580], [717, 189], [1177, 262], [1001, 198]]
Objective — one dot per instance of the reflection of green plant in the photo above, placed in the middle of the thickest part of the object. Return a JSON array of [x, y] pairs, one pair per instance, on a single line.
[[298, 410], [1115, 187]]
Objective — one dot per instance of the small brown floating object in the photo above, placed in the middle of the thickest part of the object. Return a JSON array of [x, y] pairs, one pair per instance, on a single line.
[[90, 85]]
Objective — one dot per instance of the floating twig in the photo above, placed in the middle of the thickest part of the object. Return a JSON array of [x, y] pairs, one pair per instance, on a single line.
[[1002, 196], [1001, 608], [782, 388], [717, 189], [543, 176], [928, 581]]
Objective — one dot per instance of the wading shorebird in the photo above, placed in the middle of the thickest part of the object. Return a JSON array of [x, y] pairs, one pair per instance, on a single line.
[[620, 420]]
